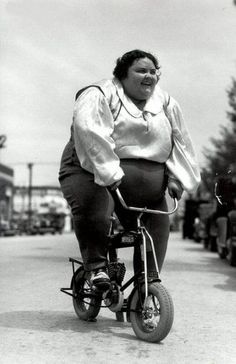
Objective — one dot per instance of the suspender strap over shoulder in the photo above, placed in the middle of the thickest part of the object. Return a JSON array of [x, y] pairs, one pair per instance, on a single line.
[[85, 88]]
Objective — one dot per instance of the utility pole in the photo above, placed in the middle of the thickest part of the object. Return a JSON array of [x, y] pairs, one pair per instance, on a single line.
[[30, 166]]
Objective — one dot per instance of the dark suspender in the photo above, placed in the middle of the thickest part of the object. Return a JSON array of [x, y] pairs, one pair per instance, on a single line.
[[85, 88]]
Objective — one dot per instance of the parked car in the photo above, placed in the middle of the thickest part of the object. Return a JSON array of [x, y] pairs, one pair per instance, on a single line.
[[7, 229]]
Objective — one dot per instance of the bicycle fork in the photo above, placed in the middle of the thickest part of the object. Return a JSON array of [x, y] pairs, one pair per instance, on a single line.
[[145, 233]]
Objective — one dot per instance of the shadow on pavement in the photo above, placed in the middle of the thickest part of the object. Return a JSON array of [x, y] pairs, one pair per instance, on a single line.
[[209, 262], [54, 321]]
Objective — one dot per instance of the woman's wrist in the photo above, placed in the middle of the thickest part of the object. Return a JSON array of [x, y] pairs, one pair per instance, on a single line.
[[114, 185]]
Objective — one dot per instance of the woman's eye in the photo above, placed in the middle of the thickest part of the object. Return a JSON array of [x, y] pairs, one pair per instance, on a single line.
[[141, 71]]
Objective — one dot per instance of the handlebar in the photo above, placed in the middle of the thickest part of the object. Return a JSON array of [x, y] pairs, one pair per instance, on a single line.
[[144, 209]]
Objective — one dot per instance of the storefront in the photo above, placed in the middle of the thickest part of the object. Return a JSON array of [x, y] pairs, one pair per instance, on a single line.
[[6, 196]]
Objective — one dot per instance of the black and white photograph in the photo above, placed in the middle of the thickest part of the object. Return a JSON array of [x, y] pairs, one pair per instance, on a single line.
[[118, 181]]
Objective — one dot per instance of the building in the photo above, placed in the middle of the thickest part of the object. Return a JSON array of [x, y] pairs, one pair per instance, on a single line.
[[42, 208], [6, 196]]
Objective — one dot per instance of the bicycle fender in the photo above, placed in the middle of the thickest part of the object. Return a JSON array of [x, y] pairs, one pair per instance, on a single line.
[[75, 275]]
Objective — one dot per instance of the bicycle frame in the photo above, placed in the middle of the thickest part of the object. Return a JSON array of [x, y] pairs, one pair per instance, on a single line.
[[144, 231]]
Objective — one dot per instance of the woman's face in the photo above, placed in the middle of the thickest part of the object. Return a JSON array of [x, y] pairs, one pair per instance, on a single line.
[[141, 79]]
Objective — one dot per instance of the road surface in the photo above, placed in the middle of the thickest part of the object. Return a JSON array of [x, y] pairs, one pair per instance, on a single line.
[[38, 324]]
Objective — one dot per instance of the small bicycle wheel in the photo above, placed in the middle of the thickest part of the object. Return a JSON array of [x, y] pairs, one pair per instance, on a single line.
[[153, 322], [86, 303]]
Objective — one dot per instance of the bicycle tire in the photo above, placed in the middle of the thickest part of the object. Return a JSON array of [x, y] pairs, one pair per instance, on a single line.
[[164, 312], [86, 309]]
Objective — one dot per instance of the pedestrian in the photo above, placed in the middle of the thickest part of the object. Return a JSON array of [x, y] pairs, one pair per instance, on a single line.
[[128, 133], [225, 214]]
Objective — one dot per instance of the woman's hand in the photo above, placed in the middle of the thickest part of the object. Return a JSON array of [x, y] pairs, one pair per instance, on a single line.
[[175, 189], [114, 185]]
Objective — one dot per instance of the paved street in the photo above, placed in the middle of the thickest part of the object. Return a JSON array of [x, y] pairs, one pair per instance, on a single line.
[[38, 324]]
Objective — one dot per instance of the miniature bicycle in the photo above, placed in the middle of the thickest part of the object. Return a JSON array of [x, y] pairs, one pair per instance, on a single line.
[[149, 306]]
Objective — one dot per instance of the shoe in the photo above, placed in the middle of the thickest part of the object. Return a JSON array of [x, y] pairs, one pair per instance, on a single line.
[[100, 280]]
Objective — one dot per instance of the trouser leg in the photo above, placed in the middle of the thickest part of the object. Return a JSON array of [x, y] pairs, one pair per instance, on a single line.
[[158, 227], [91, 207], [92, 235]]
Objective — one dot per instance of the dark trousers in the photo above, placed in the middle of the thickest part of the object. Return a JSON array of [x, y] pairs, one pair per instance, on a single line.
[[144, 184]]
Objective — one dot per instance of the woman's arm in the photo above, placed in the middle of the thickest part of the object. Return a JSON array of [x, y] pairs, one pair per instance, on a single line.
[[93, 125], [182, 163]]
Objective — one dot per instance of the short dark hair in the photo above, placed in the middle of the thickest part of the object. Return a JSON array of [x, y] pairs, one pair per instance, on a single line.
[[123, 63]]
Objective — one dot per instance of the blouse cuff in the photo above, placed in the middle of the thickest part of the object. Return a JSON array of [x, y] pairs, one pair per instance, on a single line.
[[107, 180]]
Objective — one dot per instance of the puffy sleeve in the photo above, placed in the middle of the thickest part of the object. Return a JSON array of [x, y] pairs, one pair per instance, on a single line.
[[182, 163], [93, 126]]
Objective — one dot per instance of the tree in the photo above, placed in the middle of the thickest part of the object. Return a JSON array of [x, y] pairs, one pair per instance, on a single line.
[[232, 102], [223, 156]]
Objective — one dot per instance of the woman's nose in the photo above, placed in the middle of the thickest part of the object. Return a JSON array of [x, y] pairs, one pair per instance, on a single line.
[[150, 76]]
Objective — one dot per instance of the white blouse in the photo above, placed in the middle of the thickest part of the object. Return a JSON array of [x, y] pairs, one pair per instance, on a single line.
[[108, 127]]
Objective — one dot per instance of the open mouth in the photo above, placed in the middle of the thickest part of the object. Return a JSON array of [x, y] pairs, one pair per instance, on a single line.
[[147, 87]]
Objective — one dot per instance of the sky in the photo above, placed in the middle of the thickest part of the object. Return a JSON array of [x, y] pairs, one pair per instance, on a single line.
[[49, 49]]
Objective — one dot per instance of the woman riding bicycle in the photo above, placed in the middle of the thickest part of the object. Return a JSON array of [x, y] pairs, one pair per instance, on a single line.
[[126, 132]]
